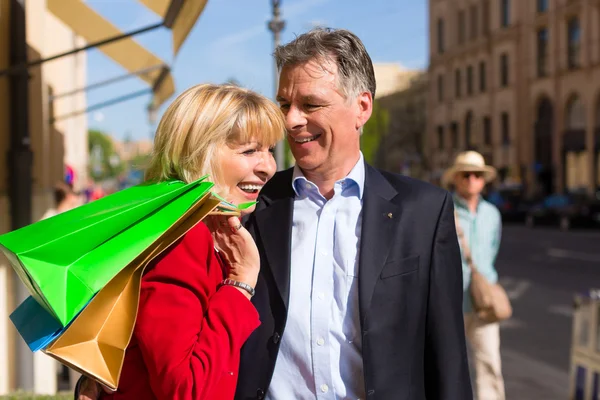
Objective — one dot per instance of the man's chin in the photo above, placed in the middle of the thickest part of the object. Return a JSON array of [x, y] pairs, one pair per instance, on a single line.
[[308, 162]]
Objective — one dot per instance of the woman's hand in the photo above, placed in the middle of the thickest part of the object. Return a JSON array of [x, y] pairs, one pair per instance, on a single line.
[[89, 389], [237, 248]]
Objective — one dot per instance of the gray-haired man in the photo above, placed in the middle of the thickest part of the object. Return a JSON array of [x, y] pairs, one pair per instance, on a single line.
[[360, 292]]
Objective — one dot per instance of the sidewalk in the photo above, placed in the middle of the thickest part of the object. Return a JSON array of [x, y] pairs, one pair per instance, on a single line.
[[529, 379]]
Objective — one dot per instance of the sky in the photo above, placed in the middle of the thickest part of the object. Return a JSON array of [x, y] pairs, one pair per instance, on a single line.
[[231, 41]]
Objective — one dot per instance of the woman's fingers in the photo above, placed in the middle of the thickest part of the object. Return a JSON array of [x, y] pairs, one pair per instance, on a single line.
[[211, 223], [89, 390], [234, 223]]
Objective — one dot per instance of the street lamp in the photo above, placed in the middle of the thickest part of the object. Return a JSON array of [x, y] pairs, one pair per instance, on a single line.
[[276, 25], [152, 114]]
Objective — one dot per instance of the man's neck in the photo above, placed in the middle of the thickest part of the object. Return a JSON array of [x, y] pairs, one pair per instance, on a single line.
[[325, 180], [472, 201]]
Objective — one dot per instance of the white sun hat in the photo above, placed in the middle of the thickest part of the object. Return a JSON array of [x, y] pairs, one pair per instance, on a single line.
[[469, 161]]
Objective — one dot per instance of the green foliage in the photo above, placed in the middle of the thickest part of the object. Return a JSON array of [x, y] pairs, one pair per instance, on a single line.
[[289, 157], [140, 162], [104, 161], [373, 131]]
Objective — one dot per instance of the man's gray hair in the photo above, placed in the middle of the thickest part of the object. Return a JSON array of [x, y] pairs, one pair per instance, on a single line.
[[355, 68]]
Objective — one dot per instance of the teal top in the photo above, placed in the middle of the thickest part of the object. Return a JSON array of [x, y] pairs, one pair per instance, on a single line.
[[482, 230]]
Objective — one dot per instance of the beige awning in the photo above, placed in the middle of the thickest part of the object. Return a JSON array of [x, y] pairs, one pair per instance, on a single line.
[[186, 18], [88, 24]]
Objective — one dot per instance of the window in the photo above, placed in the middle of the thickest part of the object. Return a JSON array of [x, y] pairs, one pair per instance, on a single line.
[[457, 83], [487, 131], [542, 52], [462, 27], [482, 77], [440, 137], [542, 6], [440, 88], [596, 386], [505, 129], [575, 114], [485, 17], [573, 40], [469, 80], [504, 13], [454, 134], [504, 70], [468, 130], [473, 22], [440, 36]]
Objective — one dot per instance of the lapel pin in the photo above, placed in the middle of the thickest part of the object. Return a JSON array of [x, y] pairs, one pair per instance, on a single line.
[[390, 216]]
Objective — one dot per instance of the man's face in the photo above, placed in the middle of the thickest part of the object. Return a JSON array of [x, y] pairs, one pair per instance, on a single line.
[[323, 126], [469, 183]]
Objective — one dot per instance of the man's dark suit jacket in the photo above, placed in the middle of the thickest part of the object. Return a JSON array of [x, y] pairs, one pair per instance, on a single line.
[[410, 290]]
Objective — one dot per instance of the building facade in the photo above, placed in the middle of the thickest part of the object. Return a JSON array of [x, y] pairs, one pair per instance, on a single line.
[[55, 142], [393, 78], [43, 128], [518, 81], [402, 149]]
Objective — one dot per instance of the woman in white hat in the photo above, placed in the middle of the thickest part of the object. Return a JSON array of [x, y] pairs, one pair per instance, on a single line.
[[481, 228]]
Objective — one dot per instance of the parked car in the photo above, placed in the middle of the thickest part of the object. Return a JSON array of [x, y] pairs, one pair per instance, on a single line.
[[575, 209], [511, 203]]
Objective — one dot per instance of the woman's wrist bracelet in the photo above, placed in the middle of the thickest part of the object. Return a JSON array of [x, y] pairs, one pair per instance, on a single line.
[[241, 285]]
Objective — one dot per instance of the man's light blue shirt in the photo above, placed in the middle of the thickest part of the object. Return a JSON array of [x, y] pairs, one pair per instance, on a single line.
[[320, 355], [482, 230]]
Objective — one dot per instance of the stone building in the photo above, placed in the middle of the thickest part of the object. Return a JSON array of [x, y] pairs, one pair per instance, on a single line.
[[518, 81]]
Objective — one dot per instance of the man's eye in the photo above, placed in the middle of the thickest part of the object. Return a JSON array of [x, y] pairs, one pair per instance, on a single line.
[[284, 106], [312, 106]]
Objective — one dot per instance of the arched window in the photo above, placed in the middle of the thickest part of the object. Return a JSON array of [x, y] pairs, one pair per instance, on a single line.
[[597, 113], [597, 143], [543, 145], [576, 171], [575, 114]]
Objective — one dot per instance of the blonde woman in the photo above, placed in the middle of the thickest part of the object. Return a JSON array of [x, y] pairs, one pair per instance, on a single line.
[[195, 311]]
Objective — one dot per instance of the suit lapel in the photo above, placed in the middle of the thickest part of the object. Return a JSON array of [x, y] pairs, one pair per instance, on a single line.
[[378, 232], [274, 225], [379, 222]]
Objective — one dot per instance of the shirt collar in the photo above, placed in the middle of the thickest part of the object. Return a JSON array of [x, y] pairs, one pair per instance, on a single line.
[[459, 201], [356, 175]]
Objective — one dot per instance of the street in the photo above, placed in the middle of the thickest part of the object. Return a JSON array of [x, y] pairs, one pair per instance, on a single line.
[[541, 269]]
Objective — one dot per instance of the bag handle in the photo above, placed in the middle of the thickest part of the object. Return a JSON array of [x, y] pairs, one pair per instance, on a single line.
[[463, 243]]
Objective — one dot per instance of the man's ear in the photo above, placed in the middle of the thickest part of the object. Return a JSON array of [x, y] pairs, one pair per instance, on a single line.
[[365, 106]]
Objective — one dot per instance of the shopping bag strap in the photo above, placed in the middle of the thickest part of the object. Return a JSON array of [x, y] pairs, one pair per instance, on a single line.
[[463, 243]]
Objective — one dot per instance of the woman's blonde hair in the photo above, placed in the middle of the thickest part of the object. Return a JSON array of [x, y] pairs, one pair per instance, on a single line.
[[204, 118]]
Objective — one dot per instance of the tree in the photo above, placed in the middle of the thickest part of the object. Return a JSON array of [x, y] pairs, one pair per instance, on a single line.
[[373, 132], [105, 163], [139, 162]]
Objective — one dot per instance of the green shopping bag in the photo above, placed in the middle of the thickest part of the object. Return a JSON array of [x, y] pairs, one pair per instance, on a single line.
[[66, 259]]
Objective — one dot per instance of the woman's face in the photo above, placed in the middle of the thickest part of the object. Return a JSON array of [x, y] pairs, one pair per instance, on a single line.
[[245, 168]]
